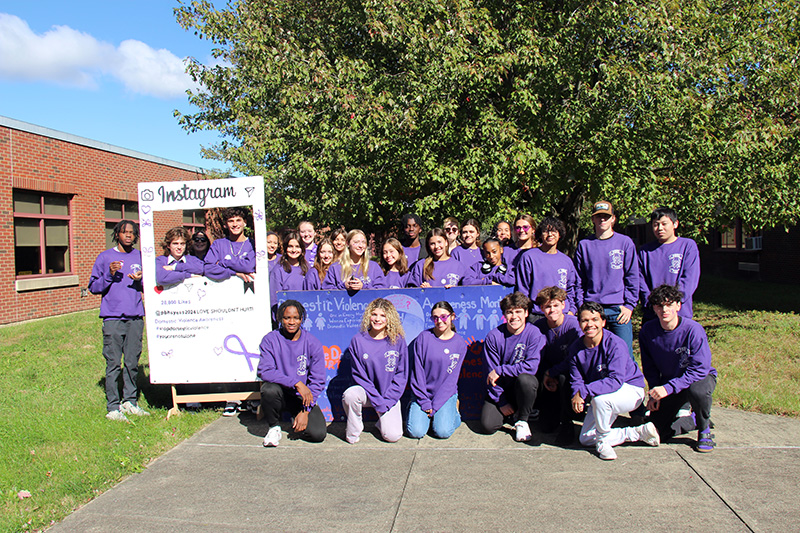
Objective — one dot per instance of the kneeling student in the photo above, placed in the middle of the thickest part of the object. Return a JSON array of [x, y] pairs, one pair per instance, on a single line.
[[513, 351], [293, 369], [676, 361], [602, 370]]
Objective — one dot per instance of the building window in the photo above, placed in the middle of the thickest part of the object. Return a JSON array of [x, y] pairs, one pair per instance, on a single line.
[[727, 238], [117, 210], [42, 230], [194, 219]]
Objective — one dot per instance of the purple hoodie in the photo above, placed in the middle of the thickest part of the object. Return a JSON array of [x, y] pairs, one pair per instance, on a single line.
[[184, 268], [467, 256], [602, 369], [122, 296], [373, 279], [286, 362], [676, 263], [226, 258], [557, 343], [447, 272], [536, 270], [677, 358], [511, 355], [608, 271], [381, 368], [436, 367]]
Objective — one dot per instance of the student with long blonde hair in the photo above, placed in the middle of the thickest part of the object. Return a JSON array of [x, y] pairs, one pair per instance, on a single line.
[[379, 359], [354, 271]]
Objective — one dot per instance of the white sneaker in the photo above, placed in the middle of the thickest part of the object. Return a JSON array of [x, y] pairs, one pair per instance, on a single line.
[[649, 434], [131, 409], [117, 415], [605, 451], [523, 431], [273, 437], [683, 412]]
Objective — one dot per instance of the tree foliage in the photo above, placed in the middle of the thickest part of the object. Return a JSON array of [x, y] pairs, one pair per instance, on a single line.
[[356, 111]]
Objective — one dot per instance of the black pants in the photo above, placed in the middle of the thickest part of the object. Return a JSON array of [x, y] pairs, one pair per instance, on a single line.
[[699, 397], [276, 398], [524, 388], [555, 407]]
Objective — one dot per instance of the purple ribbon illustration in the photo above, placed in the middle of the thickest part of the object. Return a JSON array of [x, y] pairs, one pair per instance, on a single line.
[[242, 350]]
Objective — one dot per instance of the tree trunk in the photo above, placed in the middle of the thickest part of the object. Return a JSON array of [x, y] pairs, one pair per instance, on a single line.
[[569, 211]]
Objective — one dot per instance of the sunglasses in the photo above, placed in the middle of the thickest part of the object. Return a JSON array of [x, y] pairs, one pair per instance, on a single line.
[[520, 229], [440, 318], [451, 230]]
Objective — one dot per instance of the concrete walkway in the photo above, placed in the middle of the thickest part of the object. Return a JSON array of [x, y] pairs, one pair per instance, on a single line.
[[222, 479]]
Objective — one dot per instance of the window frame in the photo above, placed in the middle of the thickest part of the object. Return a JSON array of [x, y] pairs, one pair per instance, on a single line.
[[125, 215], [42, 217]]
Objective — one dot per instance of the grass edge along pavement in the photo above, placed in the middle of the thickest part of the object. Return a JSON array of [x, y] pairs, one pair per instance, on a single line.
[[58, 446], [56, 442]]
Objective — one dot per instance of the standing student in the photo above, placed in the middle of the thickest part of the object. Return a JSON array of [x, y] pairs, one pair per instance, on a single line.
[[339, 240], [560, 331], [232, 255], [273, 249], [545, 266], [469, 251], [292, 370], [608, 272], [176, 265], [668, 260], [602, 371], [493, 270], [117, 276], [379, 358], [199, 245], [318, 273], [502, 232], [513, 351], [291, 270], [524, 226], [410, 229], [437, 356], [308, 234], [451, 227], [355, 270], [676, 361], [438, 269], [393, 263]]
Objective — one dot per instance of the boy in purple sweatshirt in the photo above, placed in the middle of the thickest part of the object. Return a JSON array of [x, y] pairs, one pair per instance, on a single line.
[[608, 272], [670, 260], [234, 254], [512, 352], [117, 276], [676, 361], [292, 368], [177, 264], [602, 374]]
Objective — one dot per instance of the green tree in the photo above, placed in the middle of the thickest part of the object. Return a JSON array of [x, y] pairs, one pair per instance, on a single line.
[[357, 111]]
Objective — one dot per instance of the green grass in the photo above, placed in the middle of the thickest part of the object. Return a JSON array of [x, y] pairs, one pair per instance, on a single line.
[[56, 441]]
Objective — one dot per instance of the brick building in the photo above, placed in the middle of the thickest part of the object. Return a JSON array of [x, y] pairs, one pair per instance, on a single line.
[[60, 196]]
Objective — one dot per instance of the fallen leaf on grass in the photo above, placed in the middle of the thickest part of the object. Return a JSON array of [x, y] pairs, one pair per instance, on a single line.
[[23, 494]]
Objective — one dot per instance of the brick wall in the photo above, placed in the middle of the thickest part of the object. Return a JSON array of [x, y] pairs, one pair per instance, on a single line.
[[37, 162]]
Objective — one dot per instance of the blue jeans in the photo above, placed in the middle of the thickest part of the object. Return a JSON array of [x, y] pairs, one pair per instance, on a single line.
[[444, 421], [623, 331]]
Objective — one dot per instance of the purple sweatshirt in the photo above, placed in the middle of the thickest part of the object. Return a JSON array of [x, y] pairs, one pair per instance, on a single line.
[[557, 343], [272, 263], [467, 256], [476, 276], [509, 254], [511, 355], [280, 280], [676, 263], [312, 282], [608, 271], [184, 268], [436, 367], [286, 362], [677, 358], [381, 368], [225, 258], [373, 279], [394, 280], [311, 253], [412, 254], [536, 270], [602, 369], [447, 272], [122, 296]]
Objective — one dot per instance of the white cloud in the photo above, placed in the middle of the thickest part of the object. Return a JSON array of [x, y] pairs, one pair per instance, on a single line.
[[66, 56]]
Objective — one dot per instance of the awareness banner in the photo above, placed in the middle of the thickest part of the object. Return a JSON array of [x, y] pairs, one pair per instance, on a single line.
[[202, 330], [334, 317]]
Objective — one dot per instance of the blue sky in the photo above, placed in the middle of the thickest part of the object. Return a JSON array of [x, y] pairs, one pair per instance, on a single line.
[[111, 71]]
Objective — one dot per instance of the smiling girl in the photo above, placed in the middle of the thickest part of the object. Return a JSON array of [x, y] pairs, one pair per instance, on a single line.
[[451, 228], [291, 270], [339, 240], [379, 358], [317, 274], [393, 264], [524, 226], [438, 269], [469, 251], [273, 247], [354, 271], [176, 264], [438, 356]]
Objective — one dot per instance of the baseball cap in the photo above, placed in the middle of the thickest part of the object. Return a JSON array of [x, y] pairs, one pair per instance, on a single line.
[[602, 207]]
